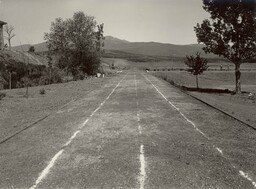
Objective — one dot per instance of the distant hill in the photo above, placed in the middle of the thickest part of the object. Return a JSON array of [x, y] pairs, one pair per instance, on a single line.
[[153, 48], [40, 47], [24, 57], [138, 48]]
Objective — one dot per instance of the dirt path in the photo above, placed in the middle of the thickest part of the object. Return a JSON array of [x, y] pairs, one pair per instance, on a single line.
[[139, 132]]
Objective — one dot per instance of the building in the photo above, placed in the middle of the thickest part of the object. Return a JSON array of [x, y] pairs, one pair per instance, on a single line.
[[2, 34]]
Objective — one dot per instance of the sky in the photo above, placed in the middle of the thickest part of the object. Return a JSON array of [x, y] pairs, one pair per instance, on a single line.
[[166, 21]]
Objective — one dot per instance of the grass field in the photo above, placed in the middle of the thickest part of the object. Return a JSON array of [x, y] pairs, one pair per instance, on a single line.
[[180, 65], [241, 106], [212, 79]]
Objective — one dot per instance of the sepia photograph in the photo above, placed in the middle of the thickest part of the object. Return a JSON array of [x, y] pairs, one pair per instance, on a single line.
[[127, 94]]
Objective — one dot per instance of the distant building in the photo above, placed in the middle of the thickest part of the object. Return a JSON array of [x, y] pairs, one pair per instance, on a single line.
[[2, 34]]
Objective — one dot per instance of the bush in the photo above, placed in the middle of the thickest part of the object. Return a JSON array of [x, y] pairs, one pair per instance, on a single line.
[[31, 49], [2, 95], [42, 91]]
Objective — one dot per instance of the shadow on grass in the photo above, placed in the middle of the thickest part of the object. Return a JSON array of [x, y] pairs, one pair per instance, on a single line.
[[207, 90], [210, 90], [202, 90]]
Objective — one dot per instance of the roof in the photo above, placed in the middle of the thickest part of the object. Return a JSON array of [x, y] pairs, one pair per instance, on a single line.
[[2, 23]]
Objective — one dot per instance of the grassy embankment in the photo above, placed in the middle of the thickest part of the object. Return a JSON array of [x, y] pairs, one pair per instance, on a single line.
[[17, 111]]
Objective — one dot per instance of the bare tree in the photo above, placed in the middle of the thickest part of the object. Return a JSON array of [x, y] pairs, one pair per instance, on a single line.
[[9, 30]]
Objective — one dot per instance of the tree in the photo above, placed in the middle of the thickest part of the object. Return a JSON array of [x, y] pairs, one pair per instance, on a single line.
[[9, 30], [197, 65], [77, 43], [231, 33]]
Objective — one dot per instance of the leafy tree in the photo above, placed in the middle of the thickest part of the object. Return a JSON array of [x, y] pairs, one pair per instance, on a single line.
[[9, 30], [197, 65], [231, 33], [77, 43]]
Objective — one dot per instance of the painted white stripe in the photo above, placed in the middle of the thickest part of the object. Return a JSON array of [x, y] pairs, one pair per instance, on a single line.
[[140, 131], [188, 120], [73, 136], [138, 117], [220, 151], [246, 176], [142, 176], [84, 123], [46, 171], [142, 168]]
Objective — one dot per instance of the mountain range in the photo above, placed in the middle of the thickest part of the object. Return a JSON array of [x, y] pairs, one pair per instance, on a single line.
[[112, 44]]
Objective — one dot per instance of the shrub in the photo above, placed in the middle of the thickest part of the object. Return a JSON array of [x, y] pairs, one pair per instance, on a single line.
[[42, 91], [2, 95], [31, 49]]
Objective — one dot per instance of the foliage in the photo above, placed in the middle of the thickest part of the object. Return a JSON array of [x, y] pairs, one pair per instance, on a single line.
[[197, 65], [231, 33], [37, 74], [42, 91], [31, 49], [2, 95], [77, 43]]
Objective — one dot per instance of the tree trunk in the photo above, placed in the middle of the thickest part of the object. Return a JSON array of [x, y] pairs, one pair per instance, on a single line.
[[197, 81], [10, 80], [50, 75], [9, 41], [238, 75], [67, 71]]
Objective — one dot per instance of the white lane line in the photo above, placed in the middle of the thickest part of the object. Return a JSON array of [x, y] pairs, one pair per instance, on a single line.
[[84, 123], [46, 171], [73, 136], [142, 176], [138, 117], [188, 120], [246, 176], [241, 173], [140, 130], [142, 167], [219, 150]]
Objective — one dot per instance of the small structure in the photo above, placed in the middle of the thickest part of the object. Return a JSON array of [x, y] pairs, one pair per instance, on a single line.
[[2, 34]]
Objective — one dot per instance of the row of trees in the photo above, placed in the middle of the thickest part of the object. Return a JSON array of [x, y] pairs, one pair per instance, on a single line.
[[76, 44]]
